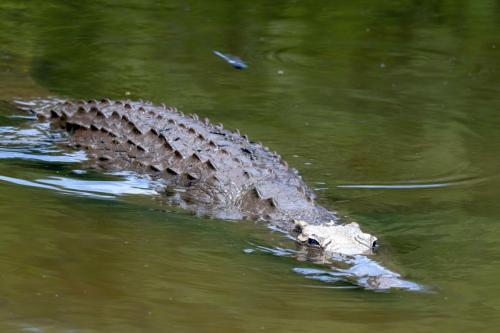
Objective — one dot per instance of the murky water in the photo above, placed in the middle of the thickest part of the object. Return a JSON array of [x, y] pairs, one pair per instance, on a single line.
[[390, 111]]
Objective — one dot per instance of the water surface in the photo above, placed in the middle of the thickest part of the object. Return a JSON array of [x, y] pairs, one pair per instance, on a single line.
[[389, 110]]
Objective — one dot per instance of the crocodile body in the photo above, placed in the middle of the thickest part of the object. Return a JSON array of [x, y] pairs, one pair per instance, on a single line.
[[205, 168]]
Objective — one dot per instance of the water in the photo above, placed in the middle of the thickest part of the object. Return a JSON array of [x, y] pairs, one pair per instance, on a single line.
[[388, 109]]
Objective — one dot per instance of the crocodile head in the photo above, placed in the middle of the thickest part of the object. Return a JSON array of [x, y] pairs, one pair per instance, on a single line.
[[332, 238]]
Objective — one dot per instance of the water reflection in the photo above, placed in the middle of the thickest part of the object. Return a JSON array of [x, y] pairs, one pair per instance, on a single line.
[[131, 184], [35, 143], [359, 270], [370, 93], [437, 183]]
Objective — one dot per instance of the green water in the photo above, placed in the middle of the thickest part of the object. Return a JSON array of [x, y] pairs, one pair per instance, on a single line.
[[389, 109]]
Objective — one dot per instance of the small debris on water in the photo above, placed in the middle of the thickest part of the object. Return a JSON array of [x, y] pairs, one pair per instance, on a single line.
[[248, 251], [127, 93], [382, 65], [234, 61], [280, 72]]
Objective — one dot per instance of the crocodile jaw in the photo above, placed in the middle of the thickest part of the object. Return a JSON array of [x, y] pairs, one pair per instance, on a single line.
[[337, 239]]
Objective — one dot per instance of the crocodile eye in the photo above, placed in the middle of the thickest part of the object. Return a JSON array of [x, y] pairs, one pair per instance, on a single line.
[[312, 241]]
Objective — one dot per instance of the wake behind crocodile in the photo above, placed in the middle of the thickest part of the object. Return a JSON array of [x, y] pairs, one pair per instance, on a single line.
[[36, 144], [210, 171]]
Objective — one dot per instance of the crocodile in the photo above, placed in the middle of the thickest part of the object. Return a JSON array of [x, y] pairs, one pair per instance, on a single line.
[[204, 168]]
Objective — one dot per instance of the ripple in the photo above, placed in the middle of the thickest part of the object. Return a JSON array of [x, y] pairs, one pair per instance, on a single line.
[[289, 56], [38, 143], [365, 273], [358, 271], [131, 184], [37, 137], [438, 183], [35, 143], [78, 156]]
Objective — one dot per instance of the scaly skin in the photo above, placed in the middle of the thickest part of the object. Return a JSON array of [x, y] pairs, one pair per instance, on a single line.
[[205, 168]]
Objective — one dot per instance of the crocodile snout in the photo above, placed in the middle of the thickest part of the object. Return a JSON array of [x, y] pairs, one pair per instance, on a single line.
[[345, 239]]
